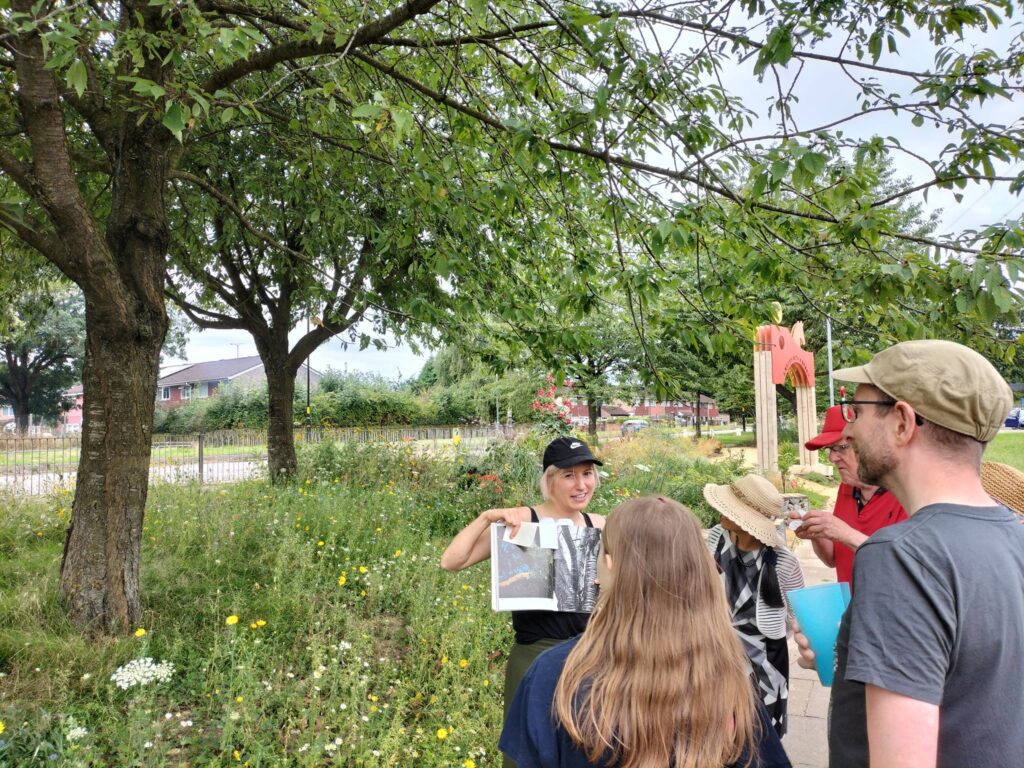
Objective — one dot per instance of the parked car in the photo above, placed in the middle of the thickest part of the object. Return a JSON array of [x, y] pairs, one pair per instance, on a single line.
[[630, 426], [580, 421], [1015, 419]]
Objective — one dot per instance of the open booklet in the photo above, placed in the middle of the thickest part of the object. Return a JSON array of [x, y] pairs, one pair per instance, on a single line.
[[548, 566]]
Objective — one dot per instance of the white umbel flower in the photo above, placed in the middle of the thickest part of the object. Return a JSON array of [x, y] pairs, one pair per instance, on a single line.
[[142, 672]]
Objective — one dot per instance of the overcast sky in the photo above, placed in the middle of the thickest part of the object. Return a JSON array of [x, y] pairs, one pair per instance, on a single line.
[[397, 360]]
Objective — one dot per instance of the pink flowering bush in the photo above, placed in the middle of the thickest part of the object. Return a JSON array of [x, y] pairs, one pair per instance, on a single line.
[[552, 414]]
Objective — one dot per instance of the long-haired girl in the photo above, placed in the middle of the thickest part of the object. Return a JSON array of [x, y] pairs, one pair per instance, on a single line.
[[659, 677]]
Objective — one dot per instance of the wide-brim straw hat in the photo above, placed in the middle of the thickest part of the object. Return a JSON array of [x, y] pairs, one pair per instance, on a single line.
[[753, 503], [1004, 483]]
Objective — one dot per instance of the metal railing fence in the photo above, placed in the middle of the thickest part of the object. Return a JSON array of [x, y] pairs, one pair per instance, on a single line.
[[37, 465]]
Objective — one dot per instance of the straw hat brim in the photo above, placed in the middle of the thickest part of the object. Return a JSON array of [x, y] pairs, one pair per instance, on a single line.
[[1004, 483], [722, 498]]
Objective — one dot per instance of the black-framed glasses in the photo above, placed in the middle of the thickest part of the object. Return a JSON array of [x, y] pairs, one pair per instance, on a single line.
[[846, 407]]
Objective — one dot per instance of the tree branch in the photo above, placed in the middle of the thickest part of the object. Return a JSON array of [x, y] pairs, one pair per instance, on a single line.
[[300, 49]]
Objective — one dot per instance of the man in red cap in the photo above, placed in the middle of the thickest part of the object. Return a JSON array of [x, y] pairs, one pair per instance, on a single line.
[[860, 509]]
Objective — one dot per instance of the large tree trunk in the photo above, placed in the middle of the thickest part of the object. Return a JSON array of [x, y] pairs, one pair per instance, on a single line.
[[121, 269], [21, 415], [126, 321], [99, 576], [281, 461]]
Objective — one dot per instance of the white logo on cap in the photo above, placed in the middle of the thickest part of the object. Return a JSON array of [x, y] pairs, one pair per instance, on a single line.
[[574, 446]]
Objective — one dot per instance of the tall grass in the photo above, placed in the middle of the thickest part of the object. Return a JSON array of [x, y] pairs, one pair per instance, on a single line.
[[351, 646]]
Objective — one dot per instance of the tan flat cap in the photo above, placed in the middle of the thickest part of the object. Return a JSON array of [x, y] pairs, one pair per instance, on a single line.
[[947, 383]]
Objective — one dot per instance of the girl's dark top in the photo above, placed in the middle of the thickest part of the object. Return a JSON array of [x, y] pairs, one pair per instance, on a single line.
[[531, 626], [534, 739]]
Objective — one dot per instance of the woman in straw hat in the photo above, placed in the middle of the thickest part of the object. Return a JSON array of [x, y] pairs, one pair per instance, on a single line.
[[757, 570], [657, 678]]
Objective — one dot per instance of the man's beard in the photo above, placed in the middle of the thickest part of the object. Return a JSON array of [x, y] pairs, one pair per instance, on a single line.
[[871, 469]]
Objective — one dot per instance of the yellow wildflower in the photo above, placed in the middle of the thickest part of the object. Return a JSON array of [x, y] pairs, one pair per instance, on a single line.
[[140, 632], [239, 699], [442, 734], [231, 620], [363, 569], [320, 543], [398, 553], [469, 763], [342, 580], [237, 755], [261, 623], [463, 663], [2, 726]]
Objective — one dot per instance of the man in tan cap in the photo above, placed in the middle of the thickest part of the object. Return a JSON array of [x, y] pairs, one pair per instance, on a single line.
[[930, 656]]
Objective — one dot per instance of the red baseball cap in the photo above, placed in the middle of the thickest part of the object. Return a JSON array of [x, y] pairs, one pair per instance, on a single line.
[[831, 430]]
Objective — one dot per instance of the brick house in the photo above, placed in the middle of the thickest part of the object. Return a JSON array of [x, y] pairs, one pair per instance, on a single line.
[[179, 384]]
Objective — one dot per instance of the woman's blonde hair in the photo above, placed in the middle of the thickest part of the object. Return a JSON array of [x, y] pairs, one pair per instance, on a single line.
[[549, 473], [659, 677]]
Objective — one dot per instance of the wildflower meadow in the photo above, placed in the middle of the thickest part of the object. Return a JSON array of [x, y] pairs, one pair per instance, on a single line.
[[304, 625]]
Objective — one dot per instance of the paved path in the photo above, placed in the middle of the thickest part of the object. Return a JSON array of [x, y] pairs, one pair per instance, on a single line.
[[806, 742]]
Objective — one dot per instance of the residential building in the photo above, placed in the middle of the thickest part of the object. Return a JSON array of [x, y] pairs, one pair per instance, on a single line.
[[182, 383]]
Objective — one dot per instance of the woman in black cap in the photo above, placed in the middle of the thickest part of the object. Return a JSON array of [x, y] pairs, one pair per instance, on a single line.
[[567, 486]]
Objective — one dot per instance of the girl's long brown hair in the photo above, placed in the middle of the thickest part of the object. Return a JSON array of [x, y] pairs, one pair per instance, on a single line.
[[659, 677]]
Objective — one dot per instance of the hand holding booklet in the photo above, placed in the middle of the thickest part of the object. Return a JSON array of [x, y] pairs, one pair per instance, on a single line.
[[546, 566]]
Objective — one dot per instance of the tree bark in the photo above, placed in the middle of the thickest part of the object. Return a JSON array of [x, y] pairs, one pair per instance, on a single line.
[[281, 422], [120, 265], [99, 575], [593, 413], [21, 418]]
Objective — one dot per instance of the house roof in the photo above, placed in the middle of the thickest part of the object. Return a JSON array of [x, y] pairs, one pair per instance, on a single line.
[[215, 370], [167, 370], [614, 410]]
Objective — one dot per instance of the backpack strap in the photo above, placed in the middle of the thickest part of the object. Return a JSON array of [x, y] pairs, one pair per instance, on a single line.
[[533, 515]]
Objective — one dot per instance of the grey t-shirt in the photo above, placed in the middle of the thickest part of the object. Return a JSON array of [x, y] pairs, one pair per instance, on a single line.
[[938, 615]]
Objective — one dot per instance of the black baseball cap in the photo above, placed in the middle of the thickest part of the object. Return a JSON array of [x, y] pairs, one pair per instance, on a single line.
[[565, 452]]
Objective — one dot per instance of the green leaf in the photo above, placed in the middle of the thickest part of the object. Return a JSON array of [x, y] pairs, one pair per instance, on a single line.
[[403, 121], [174, 120], [367, 110], [77, 77], [779, 169], [813, 162]]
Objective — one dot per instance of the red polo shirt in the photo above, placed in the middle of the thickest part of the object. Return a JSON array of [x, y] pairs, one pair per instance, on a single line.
[[880, 511]]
